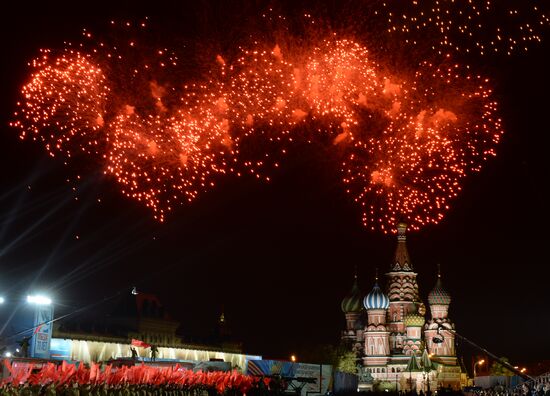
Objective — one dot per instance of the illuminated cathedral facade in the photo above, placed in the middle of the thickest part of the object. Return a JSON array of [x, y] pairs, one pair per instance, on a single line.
[[397, 344]]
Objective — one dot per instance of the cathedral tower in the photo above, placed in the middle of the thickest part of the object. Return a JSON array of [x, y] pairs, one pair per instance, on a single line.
[[398, 347], [440, 338], [402, 291], [352, 307], [377, 346], [412, 344]]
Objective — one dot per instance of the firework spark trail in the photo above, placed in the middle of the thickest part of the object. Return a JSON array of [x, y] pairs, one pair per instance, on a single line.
[[483, 27], [416, 166], [66, 96], [164, 160], [405, 143]]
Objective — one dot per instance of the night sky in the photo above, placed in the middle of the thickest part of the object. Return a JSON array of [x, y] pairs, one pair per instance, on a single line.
[[278, 257]]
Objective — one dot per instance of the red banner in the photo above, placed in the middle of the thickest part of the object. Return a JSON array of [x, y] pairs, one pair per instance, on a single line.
[[139, 343]]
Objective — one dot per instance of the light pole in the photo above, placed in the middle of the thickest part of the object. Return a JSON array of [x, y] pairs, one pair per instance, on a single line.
[[479, 362], [42, 333]]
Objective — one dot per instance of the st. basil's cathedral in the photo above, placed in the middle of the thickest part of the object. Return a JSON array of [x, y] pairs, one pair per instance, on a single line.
[[396, 346]]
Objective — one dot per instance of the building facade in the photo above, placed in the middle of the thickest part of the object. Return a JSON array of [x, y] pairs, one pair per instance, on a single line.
[[107, 335], [398, 344]]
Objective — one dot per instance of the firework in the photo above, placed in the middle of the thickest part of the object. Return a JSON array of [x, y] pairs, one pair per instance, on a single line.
[[404, 141], [259, 102], [439, 128], [64, 103], [163, 162], [482, 27], [338, 78]]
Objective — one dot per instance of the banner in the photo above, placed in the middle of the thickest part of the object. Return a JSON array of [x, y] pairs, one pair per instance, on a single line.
[[42, 333], [319, 376]]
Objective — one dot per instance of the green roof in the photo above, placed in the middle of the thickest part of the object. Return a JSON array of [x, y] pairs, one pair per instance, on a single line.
[[412, 365]]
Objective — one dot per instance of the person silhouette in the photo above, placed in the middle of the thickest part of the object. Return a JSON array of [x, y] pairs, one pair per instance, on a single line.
[[25, 344], [154, 352]]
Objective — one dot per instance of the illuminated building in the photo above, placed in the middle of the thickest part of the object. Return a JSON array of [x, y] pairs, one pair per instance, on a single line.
[[396, 345], [141, 316]]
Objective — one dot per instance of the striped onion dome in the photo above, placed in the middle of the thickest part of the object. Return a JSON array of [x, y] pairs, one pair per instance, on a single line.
[[414, 319], [439, 296], [376, 299], [352, 302]]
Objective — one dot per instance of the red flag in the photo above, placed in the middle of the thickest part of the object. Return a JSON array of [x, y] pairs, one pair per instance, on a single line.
[[139, 343], [94, 372], [8, 366]]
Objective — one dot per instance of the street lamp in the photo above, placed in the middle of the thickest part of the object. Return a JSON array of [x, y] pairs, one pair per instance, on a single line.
[[39, 300], [293, 358], [480, 362]]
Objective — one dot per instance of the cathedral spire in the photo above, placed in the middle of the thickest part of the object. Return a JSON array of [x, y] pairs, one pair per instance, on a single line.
[[223, 330], [438, 295], [352, 301], [402, 261]]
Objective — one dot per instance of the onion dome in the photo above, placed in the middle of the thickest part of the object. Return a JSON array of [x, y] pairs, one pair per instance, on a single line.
[[414, 319], [438, 295], [376, 299], [352, 302]]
